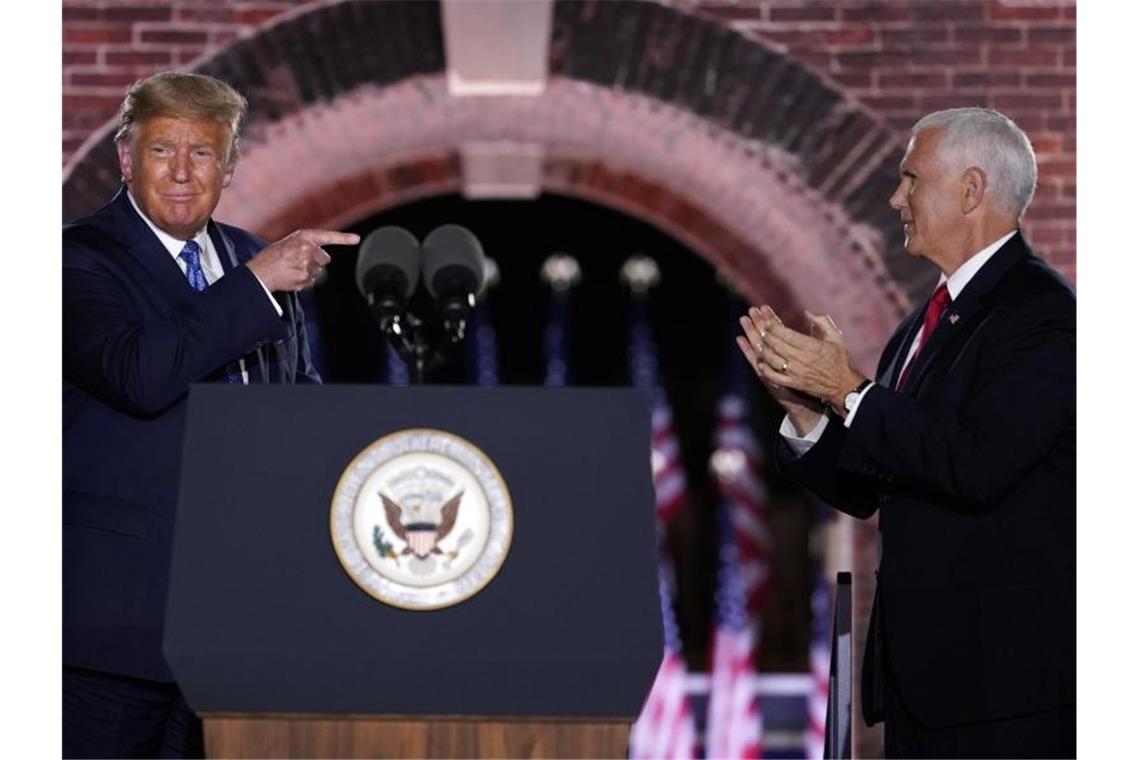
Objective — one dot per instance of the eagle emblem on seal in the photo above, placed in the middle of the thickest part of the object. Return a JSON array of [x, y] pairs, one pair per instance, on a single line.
[[421, 535]]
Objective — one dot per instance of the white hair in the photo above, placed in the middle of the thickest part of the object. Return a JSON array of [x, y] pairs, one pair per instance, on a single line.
[[989, 140]]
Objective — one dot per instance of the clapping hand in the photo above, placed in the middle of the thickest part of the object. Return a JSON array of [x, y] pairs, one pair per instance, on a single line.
[[802, 372]]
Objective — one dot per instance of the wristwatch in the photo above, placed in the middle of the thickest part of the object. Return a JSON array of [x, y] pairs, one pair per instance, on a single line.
[[850, 399]]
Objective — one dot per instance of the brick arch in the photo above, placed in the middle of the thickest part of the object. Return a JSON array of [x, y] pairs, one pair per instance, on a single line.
[[751, 159]]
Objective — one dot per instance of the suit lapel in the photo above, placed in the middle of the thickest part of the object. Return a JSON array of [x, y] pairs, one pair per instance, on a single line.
[[913, 323], [223, 245], [141, 242], [967, 309]]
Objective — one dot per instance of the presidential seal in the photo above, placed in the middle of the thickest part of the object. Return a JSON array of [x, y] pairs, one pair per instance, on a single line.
[[421, 519]]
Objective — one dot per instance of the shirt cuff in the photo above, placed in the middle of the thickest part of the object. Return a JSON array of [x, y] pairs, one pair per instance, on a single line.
[[269, 295], [855, 407], [801, 445]]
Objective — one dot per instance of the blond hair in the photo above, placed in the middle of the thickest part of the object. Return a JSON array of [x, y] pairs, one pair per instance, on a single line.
[[183, 95]]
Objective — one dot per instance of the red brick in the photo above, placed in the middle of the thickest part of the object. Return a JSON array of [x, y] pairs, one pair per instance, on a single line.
[[1059, 123], [1046, 191], [1069, 58], [1005, 35], [890, 102], [132, 13], [1063, 169], [1051, 80], [987, 78], [913, 79], [1052, 35], [1005, 57], [1048, 142], [258, 16], [729, 12], [788, 14], [1038, 233], [97, 34], [1056, 211], [945, 10], [820, 37], [129, 57], [928, 34], [218, 14], [86, 102], [170, 36], [118, 80], [1044, 101], [1007, 10], [936, 101], [956, 56], [79, 57], [878, 11], [868, 59], [221, 38], [79, 13]]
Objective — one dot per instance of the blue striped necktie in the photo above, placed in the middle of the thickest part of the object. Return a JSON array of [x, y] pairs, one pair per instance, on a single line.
[[197, 279]]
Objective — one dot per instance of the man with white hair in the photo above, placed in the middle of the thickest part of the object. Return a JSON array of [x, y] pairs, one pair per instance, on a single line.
[[965, 445]]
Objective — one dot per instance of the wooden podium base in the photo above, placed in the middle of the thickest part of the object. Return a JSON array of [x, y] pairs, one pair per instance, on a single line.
[[343, 736]]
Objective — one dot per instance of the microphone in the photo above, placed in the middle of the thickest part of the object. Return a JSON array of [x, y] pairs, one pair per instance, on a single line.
[[454, 271], [387, 269]]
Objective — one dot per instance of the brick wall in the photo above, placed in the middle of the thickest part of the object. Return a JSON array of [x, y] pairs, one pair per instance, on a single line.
[[904, 58], [108, 45], [901, 58]]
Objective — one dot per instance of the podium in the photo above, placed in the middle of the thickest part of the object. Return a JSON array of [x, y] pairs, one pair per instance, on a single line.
[[283, 654]]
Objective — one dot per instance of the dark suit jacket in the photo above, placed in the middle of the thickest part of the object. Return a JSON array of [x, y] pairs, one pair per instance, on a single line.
[[135, 336], [972, 469]]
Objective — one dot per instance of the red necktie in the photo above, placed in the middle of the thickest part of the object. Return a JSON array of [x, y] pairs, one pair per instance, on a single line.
[[935, 308]]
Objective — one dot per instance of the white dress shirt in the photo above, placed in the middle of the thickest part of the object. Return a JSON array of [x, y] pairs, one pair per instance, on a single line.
[[207, 257], [955, 284]]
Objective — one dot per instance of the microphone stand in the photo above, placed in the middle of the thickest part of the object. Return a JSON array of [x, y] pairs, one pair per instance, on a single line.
[[419, 342]]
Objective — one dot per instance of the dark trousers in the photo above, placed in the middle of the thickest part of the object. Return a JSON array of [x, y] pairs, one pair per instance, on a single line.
[[1046, 734], [109, 715]]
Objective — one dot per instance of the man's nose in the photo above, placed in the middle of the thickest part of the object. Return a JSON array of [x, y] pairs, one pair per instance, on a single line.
[[181, 167], [898, 198]]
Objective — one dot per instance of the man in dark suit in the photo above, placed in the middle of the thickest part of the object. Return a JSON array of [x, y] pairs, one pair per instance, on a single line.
[[965, 445], [156, 296]]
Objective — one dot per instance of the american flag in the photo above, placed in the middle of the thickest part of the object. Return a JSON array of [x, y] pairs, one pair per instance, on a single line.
[[666, 727], [735, 724], [395, 369], [554, 338], [483, 350], [820, 661]]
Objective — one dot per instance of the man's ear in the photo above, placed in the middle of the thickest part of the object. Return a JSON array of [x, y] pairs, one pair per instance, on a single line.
[[125, 168], [973, 189], [228, 173]]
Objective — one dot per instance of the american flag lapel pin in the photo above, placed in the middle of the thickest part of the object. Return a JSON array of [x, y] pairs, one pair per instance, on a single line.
[[953, 317]]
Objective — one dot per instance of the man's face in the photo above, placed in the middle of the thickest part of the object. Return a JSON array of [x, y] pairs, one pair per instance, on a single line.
[[176, 169], [928, 199]]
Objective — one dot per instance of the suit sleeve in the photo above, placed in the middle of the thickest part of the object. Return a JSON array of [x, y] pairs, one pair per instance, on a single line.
[[144, 365], [818, 470], [1021, 398]]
